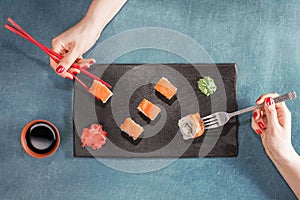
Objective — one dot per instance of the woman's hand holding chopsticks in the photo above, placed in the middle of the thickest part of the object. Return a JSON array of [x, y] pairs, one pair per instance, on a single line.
[[72, 44], [77, 40]]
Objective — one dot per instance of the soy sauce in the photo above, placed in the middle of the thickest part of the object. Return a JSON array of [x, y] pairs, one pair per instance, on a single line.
[[41, 138]]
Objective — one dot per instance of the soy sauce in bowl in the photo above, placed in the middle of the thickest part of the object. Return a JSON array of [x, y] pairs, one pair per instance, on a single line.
[[40, 138]]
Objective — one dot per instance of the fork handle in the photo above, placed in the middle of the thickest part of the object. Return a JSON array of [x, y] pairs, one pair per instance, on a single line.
[[288, 96]]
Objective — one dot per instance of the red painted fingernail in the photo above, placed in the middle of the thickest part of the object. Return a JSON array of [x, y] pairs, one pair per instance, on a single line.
[[254, 115], [69, 78], [92, 62], [75, 72], [258, 132], [269, 101], [258, 99], [60, 69], [261, 125]]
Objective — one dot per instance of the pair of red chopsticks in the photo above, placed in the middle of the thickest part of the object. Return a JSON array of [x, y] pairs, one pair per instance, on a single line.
[[14, 27]]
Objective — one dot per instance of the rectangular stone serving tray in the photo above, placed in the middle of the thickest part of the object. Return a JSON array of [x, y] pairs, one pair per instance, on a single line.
[[161, 138]]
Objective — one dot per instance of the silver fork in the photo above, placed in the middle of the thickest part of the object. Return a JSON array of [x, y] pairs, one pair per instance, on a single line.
[[220, 118]]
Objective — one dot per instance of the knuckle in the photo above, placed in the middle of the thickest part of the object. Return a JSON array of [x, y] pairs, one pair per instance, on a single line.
[[272, 127], [54, 41], [268, 109], [75, 45], [271, 110]]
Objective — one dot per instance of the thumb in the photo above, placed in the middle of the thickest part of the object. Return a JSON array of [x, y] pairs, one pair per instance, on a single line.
[[271, 112], [66, 62]]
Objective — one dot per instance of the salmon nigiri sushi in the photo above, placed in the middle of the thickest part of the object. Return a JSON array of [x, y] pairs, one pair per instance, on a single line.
[[166, 88], [191, 126], [133, 129], [149, 109], [100, 91]]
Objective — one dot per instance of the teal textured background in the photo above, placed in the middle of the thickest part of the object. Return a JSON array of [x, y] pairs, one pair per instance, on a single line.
[[262, 37]]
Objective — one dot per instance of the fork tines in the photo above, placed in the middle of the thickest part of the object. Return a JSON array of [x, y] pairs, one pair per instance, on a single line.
[[210, 120]]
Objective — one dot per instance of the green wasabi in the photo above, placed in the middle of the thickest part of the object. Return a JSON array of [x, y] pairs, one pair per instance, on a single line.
[[207, 85]]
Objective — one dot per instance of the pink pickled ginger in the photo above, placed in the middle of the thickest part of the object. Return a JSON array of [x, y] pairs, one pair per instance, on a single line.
[[94, 136]]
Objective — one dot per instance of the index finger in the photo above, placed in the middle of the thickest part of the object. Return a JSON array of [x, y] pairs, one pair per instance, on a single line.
[[262, 98], [284, 115], [258, 113]]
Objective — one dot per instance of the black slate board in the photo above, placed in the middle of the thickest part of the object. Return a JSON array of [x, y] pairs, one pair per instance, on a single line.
[[161, 138]]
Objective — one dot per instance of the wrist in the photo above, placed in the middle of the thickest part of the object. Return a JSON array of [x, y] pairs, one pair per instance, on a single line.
[[288, 156], [93, 23]]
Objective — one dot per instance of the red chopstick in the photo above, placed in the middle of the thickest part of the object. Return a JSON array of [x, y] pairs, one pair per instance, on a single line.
[[60, 56], [52, 54], [17, 29], [11, 28]]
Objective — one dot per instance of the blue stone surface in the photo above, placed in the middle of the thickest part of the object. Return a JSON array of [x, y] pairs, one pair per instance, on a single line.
[[262, 37]]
